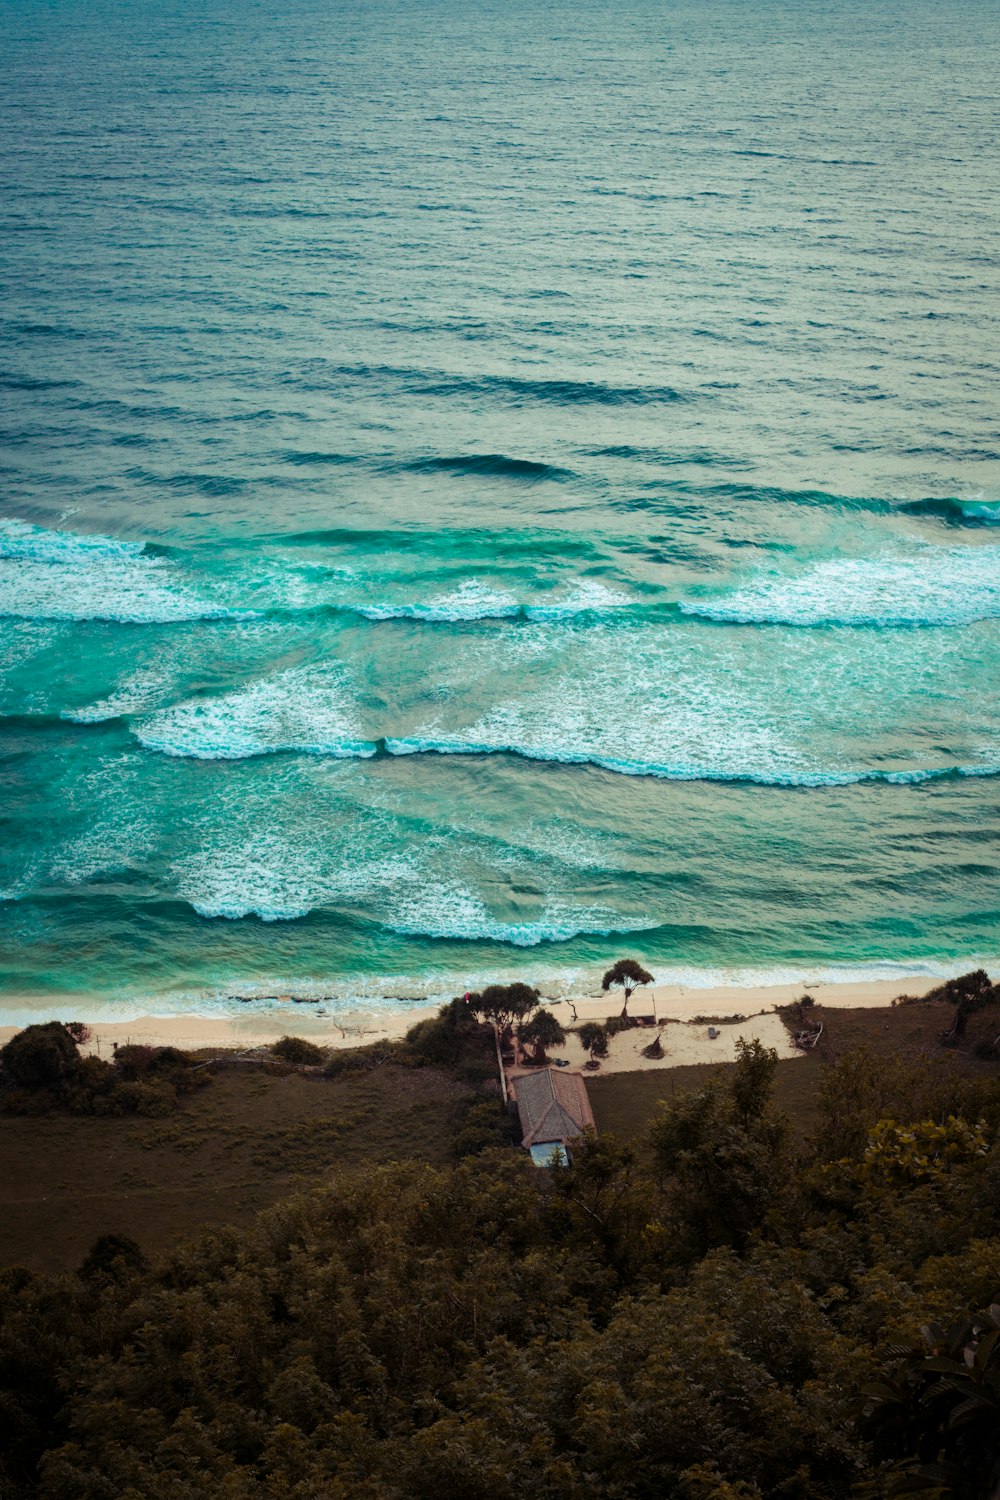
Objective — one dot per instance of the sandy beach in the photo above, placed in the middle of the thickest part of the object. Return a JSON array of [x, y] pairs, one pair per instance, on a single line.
[[684, 1040]]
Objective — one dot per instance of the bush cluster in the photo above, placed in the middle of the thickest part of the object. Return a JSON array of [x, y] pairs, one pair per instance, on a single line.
[[42, 1069], [700, 1317]]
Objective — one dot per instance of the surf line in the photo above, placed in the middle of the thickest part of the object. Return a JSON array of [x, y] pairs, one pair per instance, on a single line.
[[391, 746]]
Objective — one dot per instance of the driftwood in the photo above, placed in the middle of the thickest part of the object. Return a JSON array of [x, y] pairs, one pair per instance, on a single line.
[[808, 1039]]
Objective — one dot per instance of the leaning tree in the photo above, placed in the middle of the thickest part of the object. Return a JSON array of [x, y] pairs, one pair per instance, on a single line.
[[627, 974]]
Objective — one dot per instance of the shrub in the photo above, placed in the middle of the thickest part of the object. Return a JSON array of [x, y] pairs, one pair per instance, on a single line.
[[434, 1041], [41, 1057], [134, 1060], [365, 1059], [296, 1050], [153, 1100], [594, 1037], [113, 1256], [26, 1101], [486, 1125], [975, 986]]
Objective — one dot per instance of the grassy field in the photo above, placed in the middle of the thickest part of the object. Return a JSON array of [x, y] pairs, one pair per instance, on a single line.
[[232, 1148], [250, 1137], [625, 1102]]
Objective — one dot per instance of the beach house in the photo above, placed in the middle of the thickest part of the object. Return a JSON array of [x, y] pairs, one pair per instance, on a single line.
[[553, 1109]]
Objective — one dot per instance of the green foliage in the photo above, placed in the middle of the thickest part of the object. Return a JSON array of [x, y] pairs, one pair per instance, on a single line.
[[48, 1073], [41, 1057], [752, 1080], [504, 1004], [486, 1125], [863, 1088], [595, 1038], [114, 1256], [542, 1031], [297, 1051], [922, 1152], [695, 1316], [627, 974], [726, 1150], [934, 1414]]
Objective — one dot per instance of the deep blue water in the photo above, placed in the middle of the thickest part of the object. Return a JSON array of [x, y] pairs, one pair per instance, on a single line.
[[485, 489]]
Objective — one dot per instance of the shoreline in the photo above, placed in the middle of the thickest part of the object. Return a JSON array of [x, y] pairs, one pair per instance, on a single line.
[[684, 1039]]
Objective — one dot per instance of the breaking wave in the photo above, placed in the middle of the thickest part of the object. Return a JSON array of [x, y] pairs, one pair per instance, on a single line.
[[956, 512], [763, 776], [307, 710], [935, 586], [58, 575]]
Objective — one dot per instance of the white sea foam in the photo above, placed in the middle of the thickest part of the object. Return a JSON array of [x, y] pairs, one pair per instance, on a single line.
[[306, 709], [475, 600], [23, 639], [588, 595], [931, 586], [56, 575], [450, 910], [472, 600], [19, 539], [140, 693], [377, 993], [681, 771], [260, 878]]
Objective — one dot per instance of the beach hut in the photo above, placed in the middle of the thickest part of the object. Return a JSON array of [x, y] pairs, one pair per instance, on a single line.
[[553, 1109]]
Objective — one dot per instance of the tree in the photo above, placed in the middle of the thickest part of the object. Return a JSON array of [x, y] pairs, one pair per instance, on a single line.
[[723, 1150], [41, 1057], [113, 1255], [627, 974], [503, 1004], [752, 1079], [543, 1030], [594, 1037]]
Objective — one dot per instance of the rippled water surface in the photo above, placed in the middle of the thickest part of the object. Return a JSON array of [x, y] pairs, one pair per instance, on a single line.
[[487, 489]]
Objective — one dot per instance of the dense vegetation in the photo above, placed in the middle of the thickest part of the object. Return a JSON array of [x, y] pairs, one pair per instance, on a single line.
[[702, 1317], [42, 1069]]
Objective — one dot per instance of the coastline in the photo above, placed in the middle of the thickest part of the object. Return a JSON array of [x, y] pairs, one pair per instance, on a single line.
[[684, 1040]]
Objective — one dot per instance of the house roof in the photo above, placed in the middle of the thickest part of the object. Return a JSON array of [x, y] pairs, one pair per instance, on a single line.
[[552, 1105]]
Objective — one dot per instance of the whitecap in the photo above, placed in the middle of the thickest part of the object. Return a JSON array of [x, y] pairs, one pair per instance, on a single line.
[[472, 600], [451, 910], [587, 596], [55, 575], [931, 586], [19, 539], [306, 709]]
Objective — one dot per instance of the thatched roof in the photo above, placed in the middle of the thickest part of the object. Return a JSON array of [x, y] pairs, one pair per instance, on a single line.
[[552, 1105]]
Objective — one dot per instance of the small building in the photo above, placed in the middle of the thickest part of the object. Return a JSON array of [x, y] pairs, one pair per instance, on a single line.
[[553, 1109]]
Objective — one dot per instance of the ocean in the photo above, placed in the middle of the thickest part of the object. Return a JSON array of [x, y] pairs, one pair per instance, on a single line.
[[485, 489]]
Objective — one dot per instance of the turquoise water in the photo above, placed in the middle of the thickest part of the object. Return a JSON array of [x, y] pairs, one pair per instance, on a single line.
[[488, 489]]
